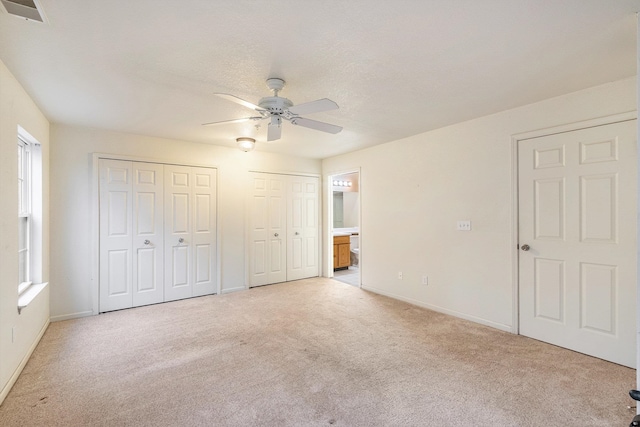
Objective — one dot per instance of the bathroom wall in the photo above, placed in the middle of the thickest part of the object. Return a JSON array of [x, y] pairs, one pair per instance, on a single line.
[[351, 209]]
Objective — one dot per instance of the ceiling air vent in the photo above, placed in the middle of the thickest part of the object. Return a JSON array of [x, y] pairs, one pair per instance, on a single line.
[[27, 9]]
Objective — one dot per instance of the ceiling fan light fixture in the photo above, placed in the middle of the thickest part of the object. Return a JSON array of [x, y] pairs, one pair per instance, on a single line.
[[246, 144]]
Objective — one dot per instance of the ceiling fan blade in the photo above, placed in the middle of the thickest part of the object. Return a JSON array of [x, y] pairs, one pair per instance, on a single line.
[[314, 124], [317, 106], [246, 119], [240, 101], [274, 130]]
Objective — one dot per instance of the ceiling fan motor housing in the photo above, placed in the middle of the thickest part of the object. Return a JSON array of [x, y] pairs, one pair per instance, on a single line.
[[275, 104]]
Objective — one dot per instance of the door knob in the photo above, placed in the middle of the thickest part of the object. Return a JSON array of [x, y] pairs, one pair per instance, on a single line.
[[275, 234], [146, 242], [297, 233], [181, 240], [525, 247]]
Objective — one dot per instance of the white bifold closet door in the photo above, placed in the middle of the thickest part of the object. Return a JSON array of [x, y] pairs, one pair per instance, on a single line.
[[190, 227], [131, 234], [283, 228], [302, 227], [145, 211]]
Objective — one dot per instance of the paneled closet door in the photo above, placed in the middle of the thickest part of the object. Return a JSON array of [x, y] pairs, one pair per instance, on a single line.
[[204, 231], [267, 223], [148, 234], [178, 253], [302, 227], [189, 232], [116, 218]]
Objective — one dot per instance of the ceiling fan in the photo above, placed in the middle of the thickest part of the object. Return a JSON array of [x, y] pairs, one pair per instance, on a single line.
[[276, 108]]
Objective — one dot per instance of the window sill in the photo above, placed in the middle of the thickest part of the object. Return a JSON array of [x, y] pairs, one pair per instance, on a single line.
[[29, 295]]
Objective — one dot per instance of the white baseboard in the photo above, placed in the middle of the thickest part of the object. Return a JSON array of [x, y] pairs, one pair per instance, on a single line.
[[71, 316], [228, 291], [23, 363], [500, 326]]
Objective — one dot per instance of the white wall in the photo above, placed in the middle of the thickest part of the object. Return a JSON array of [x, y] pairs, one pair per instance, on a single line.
[[458, 172], [17, 109], [73, 286], [351, 209]]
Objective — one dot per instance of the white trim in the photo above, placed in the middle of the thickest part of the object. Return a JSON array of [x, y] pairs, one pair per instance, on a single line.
[[23, 287], [316, 175], [95, 222], [29, 295], [23, 363], [515, 139], [329, 236], [72, 316], [231, 290], [500, 326], [584, 124]]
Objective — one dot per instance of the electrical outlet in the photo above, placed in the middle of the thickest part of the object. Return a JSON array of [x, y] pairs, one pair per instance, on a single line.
[[425, 280], [399, 275], [464, 225]]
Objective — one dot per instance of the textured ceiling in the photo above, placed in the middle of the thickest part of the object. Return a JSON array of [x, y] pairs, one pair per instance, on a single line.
[[395, 68]]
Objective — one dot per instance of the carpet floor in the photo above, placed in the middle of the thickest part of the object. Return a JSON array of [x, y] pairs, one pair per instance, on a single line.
[[314, 352]]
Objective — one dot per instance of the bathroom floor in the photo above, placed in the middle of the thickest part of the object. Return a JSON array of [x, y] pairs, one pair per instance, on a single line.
[[350, 276]]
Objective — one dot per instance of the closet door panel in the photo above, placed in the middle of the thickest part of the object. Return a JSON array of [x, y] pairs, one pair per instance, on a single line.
[[148, 233], [177, 232], [302, 217], [311, 265], [295, 226], [115, 190], [258, 231], [267, 229], [204, 231]]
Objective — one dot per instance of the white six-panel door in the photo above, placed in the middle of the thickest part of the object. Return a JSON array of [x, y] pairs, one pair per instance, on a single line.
[[178, 252], [157, 233], [204, 231], [190, 233], [302, 227], [148, 234], [268, 231], [283, 228], [577, 233], [116, 235]]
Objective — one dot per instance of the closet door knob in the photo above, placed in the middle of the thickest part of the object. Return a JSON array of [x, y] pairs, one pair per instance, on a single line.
[[275, 234], [146, 242], [525, 247], [297, 233], [181, 240]]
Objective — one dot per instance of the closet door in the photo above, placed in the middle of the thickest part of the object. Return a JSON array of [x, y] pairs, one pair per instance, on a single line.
[[267, 234], [116, 218], [302, 228], [189, 232], [204, 231], [148, 234], [178, 252]]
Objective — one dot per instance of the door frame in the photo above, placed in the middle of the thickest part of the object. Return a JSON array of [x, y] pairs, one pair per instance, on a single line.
[[515, 140], [328, 264], [95, 220]]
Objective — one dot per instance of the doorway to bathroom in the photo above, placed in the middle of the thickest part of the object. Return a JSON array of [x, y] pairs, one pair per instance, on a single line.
[[345, 227]]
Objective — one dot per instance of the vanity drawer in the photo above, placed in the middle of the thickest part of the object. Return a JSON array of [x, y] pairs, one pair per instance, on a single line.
[[339, 240]]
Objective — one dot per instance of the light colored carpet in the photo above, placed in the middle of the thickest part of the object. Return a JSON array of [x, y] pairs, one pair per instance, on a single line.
[[315, 352]]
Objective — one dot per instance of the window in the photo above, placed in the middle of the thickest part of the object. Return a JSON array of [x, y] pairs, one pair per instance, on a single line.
[[30, 219], [24, 215]]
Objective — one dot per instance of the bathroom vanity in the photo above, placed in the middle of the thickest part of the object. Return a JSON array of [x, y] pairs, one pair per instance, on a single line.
[[341, 252]]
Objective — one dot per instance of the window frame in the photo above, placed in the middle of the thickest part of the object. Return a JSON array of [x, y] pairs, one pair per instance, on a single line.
[[25, 243]]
